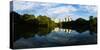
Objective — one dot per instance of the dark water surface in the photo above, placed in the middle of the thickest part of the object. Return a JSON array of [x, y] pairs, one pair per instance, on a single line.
[[55, 37]]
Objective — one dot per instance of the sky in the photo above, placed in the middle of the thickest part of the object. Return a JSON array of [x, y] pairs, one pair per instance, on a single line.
[[55, 10]]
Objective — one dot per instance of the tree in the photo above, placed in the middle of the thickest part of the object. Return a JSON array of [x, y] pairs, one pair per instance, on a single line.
[[93, 24], [81, 21], [15, 17], [45, 21], [28, 17]]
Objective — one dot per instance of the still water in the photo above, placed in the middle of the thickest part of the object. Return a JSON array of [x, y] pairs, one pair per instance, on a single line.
[[56, 37]]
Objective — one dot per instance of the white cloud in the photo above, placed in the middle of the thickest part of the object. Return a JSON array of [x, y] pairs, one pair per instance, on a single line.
[[62, 9], [25, 5], [18, 5], [55, 10], [48, 4], [89, 8], [61, 12], [93, 8]]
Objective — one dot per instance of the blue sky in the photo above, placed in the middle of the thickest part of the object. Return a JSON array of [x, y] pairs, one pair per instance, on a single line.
[[55, 10]]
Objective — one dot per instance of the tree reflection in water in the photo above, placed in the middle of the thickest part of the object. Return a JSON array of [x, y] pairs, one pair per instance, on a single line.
[[46, 37], [60, 29], [44, 31]]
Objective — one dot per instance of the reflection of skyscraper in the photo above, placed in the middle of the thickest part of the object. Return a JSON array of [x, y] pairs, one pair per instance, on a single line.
[[68, 30], [60, 29]]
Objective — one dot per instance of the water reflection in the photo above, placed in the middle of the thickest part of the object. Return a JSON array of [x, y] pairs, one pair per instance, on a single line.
[[46, 37], [68, 30], [60, 30]]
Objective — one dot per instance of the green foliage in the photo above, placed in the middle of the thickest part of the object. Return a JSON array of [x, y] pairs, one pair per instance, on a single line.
[[93, 23], [28, 21], [43, 19], [81, 22], [93, 20], [28, 17], [32, 20]]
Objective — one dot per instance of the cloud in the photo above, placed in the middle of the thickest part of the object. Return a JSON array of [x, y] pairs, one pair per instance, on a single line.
[[55, 10], [18, 5], [90, 9], [62, 9], [48, 5], [25, 5]]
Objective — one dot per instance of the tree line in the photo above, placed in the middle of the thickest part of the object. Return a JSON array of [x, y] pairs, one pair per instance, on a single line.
[[30, 22], [28, 25], [81, 24]]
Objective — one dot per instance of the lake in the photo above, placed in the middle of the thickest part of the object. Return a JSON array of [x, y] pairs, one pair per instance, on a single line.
[[44, 37]]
